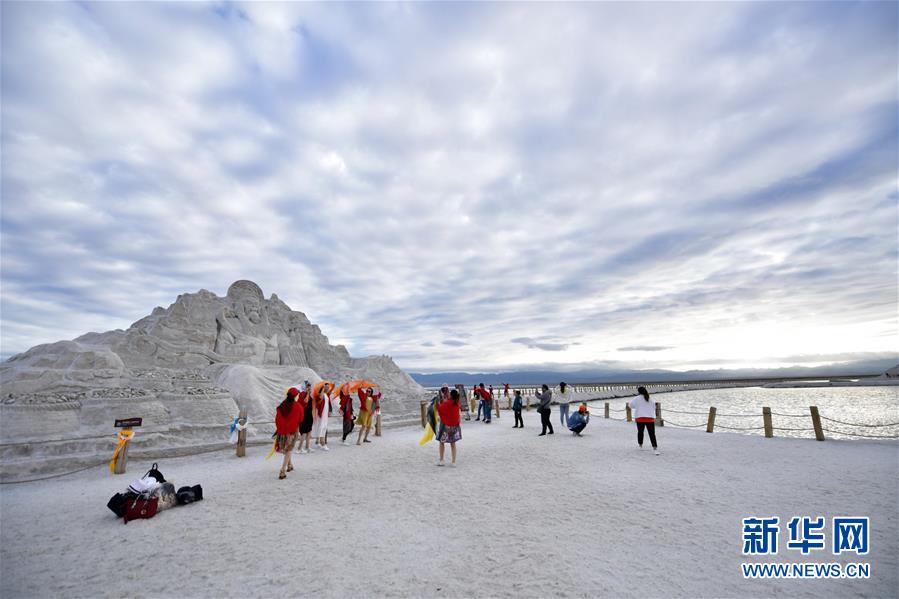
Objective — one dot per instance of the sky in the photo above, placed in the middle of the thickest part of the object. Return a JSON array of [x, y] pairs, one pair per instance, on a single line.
[[462, 185]]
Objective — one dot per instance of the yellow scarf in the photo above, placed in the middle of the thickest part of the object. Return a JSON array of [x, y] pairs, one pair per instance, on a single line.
[[274, 449], [124, 435]]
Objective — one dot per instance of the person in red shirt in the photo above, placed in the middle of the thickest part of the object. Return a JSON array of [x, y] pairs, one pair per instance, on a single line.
[[450, 424], [287, 423], [487, 398]]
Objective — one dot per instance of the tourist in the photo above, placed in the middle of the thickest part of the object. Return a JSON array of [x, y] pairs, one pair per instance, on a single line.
[[578, 421], [545, 396], [376, 412], [287, 422], [366, 400], [516, 408], [346, 409], [450, 424], [477, 397], [305, 399], [486, 399], [645, 416], [564, 400], [320, 412]]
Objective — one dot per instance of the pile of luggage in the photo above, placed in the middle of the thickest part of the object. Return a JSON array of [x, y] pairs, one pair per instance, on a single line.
[[149, 494]]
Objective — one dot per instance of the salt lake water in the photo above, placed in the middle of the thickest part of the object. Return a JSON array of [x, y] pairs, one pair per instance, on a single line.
[[862, 412]]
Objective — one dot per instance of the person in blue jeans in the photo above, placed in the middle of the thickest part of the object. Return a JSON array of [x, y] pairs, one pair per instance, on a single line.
[[577, 422], [485, 400], [564, 400]]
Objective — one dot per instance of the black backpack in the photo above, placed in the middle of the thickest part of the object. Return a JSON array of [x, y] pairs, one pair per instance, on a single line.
[[118, 501], [155, 473], [187, 495]]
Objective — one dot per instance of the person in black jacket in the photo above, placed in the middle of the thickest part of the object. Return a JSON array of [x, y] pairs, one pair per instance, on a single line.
[[545, 397]]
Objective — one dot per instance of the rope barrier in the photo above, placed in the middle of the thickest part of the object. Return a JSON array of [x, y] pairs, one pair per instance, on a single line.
[[790, 415], [738, 428], [861, 435], [150, 457], [682, 412], [672, 423], [779, 428], [740, 415], [859, 423], [31, 480]]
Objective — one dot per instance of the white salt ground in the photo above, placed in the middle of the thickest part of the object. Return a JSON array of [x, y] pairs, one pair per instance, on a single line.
[[521, 516]]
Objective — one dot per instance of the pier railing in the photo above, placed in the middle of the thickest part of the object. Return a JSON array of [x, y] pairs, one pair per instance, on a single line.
[[819, 422]]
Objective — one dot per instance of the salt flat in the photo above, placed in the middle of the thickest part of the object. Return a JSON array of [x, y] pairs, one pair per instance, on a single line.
[[520, 516]]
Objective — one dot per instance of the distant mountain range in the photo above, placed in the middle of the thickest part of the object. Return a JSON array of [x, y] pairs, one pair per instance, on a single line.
[[553, 377]]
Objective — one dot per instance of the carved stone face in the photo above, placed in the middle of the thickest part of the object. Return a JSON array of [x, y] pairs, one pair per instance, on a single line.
[[252, 311]]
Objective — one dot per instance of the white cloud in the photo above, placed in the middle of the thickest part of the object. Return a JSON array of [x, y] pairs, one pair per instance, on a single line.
[[589, 178]]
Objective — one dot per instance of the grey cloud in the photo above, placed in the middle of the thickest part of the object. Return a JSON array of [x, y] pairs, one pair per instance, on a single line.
[[645, 348], [535, 344]]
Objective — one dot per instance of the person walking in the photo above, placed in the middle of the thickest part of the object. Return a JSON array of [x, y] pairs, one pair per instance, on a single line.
[[376, 412], [366, 409], [579, 420], [487, 400], [287, 422], [450, 424], [545, 397], [321, 409], [564, 400], [346, 410], [645, 416], [516, 409], [305, 399]]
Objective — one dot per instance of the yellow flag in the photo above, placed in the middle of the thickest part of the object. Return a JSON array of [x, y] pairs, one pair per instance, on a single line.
[[124, 435]]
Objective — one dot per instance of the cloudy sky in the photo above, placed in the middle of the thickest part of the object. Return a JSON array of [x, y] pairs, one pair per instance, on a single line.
[[462, 185]]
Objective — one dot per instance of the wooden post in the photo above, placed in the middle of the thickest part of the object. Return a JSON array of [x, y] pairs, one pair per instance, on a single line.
[[659, 420], [766, 416], [496, 405], [424, 415], [121, 460], [627, 407], [242, 434], [377, 425], [472, 404], [528, 406], [607, 409], [816, 422], [711, 426]]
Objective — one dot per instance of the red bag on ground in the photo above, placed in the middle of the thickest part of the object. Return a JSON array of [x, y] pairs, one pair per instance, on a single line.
[[141, 508]]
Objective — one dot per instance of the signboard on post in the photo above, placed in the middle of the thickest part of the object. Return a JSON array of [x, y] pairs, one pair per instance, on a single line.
[[128, 422]]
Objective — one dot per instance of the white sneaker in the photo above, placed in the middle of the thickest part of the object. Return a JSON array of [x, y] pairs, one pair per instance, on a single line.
[[325, 448], [344, 443], [452, 464], [656, 451], [440, 462]]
